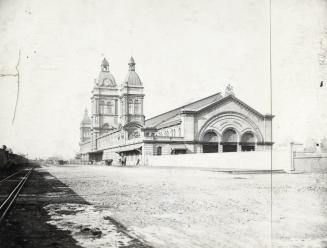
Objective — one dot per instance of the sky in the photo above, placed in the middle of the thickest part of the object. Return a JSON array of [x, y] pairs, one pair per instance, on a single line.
[[184, 51]]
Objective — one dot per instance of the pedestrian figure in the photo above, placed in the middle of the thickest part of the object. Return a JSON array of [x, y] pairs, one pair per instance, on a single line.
[[124, 160]]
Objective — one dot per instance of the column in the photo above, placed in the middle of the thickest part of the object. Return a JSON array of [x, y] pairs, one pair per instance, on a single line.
[[220, 147], [239, 147]]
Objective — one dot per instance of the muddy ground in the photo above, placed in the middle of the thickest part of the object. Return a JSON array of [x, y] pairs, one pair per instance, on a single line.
[[98, 206]]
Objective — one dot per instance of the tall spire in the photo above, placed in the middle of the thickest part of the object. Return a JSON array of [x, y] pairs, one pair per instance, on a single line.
[[104, 65], [131, 64]]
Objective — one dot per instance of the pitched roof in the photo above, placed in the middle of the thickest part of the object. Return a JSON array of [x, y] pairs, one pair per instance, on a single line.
[[194, 106], [173, 116], [234, 98]]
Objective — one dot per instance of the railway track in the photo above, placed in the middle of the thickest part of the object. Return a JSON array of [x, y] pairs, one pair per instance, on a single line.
[[12, 184]]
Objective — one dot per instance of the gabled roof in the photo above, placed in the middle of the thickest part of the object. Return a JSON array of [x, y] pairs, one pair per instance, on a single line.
[[194, 106], [197, 106], [234, 98]]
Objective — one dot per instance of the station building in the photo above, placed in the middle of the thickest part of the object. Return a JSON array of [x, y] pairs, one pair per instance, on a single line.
[[117, 125]]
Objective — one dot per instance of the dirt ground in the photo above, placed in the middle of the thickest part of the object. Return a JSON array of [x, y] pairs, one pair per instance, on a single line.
[[30, 223], [165, 207]]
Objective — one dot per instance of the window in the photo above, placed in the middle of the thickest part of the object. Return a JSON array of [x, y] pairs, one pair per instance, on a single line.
[[136, 107], [159, 150], [109, 108], [130, 106], [229, 135], [101, 107], [210, 137]]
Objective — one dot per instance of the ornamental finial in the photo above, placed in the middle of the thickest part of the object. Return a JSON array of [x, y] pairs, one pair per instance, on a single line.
[[229, 90]]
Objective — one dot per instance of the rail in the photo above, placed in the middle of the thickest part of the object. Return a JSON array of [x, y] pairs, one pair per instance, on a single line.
[[5, 179], [7, 204]]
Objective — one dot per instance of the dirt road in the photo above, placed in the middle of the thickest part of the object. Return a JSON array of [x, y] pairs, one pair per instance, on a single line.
[[85, 206], [197, 208]]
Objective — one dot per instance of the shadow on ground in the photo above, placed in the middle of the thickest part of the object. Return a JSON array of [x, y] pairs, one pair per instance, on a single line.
[[27, 223]]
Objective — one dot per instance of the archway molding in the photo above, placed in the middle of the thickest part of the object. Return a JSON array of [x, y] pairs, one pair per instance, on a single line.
[[230, 119]]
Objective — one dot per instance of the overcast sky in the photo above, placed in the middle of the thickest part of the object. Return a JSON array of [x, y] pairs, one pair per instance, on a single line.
[[184, 50]]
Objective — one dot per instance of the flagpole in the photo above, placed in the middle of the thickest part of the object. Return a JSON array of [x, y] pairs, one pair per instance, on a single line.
[[271, 131]]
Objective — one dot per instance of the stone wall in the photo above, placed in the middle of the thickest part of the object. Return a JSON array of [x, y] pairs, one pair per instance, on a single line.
[[232, 160]]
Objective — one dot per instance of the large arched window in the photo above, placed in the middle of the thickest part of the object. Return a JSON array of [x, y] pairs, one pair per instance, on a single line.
[[248, 138], [210, 137], [229, 140], [229, 136], [211, 142], [109, 108], [248, 142], [130, 106], [137, 107]]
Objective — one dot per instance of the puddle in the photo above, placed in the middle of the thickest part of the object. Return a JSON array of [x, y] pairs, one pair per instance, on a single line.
[[89, 226]]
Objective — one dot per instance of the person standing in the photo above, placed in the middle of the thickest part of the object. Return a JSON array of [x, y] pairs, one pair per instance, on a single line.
[[124, 160]]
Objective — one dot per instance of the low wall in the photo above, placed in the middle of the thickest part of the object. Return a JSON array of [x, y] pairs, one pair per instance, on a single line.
[[232, 160], [310, 162]]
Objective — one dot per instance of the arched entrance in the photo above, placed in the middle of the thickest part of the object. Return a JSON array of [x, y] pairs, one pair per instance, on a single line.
[[211, 142], [248, 142], [229, 140]]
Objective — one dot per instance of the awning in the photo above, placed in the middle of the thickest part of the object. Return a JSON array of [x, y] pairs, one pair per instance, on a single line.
[[128, 148], [96, 152]]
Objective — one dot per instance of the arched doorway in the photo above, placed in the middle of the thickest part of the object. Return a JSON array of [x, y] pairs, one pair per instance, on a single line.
[[248, 142], [229, 140], [211, 142]]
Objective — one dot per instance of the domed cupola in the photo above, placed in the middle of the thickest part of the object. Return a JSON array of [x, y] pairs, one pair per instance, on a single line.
[[105, 79], [131, 99], [132, 79]]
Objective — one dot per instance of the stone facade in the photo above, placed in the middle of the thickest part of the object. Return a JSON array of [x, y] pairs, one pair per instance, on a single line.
[[217, 123]]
